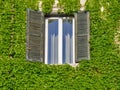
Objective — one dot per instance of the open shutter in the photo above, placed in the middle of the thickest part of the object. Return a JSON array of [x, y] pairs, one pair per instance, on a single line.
[[35, 36], [82, 36]]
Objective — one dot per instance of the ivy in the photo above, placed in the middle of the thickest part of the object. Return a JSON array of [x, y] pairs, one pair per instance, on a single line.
[[69, 6], [101, 72], [47, 6]]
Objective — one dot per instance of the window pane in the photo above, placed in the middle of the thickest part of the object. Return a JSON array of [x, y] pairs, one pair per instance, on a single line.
[[52, 41], [67, 41]]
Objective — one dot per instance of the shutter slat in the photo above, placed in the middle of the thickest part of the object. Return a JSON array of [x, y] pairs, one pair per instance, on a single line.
[[35, 36], [82, 36]]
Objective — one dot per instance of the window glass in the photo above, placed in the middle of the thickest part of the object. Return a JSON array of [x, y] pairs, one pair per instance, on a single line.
[[52, 41], [59, 42], [67, 41]]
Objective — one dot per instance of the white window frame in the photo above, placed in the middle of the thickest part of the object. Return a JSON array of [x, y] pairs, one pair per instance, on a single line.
[[60, 23]]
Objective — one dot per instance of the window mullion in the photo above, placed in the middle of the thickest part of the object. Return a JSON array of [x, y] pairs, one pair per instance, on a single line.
[[60, 32]]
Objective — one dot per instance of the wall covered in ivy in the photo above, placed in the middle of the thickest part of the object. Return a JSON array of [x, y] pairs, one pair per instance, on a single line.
[[101, 72]]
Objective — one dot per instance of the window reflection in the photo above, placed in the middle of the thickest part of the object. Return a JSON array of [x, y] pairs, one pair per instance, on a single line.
[[67, 41], [53, 41]]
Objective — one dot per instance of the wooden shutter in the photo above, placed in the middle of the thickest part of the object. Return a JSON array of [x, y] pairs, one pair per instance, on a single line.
[[82, 36], [35, 36]]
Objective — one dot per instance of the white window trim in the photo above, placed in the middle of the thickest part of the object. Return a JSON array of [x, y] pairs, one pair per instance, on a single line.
[[59, 39], [46, 41], [73, 41]]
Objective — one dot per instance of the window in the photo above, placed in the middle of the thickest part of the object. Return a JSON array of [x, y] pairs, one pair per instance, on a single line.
[[57, 39]]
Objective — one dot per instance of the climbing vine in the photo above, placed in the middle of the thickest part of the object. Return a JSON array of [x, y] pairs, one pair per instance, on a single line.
[[100, 73], [68, 6], [47, 6]]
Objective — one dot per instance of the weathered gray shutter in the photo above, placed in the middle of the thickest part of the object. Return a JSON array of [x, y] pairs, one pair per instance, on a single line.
[[35, 35], [82, 36]]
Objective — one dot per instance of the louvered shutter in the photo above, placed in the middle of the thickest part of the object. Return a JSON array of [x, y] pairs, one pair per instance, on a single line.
[[35, 35], [82, 36]]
